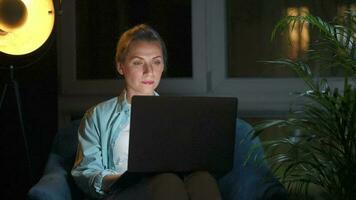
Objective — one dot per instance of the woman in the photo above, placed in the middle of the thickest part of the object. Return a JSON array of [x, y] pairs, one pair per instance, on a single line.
[[104, 131]]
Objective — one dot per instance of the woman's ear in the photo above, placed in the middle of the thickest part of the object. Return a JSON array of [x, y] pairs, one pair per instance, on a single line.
[[119, 68]]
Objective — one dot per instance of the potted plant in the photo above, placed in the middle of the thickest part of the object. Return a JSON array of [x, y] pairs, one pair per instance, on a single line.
[[322, 156]]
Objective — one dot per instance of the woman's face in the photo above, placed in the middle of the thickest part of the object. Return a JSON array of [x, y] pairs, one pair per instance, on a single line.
[[142, 68]]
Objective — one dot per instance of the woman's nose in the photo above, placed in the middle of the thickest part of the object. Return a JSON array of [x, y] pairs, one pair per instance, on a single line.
[[148, 68]]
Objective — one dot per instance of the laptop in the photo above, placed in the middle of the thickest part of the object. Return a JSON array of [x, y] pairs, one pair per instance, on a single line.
[[180, 134]]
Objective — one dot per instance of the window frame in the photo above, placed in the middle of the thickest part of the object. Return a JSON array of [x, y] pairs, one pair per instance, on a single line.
[[258, 97]]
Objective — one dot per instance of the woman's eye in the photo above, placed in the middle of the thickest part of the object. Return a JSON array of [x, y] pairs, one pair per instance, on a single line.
[[157, 62], [137, 63]]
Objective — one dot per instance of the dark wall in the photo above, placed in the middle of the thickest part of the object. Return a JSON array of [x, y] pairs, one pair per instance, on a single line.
[[38, 92]]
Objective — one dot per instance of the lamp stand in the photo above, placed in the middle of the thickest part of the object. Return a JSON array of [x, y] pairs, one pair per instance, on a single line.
[[13, 83]]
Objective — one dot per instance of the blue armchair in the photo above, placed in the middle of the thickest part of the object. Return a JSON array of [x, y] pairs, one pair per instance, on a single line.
[[246, 181]]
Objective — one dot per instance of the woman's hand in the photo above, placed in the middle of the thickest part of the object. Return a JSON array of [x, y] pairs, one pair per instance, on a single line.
[[108, 181]]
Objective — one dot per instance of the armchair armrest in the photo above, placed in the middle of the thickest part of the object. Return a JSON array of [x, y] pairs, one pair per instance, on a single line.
[[249, 180], [54, 184], [50, 187]]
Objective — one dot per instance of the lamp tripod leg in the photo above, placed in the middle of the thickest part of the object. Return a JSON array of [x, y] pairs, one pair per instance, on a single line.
[[3, 94], [27, 150], [15, 86]]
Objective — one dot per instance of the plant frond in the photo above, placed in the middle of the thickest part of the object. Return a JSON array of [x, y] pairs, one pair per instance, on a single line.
[[320, 149]]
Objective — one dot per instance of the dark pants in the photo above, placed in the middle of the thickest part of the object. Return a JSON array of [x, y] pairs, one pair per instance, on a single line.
[[194, 186]]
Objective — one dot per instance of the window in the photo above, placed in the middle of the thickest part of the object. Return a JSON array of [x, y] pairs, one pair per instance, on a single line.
[[100, 23], [249, 28], [263, 89], [87, 60], [228, 38]]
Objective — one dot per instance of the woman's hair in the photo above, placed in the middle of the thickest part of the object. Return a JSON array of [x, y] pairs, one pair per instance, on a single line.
[[141, 32]]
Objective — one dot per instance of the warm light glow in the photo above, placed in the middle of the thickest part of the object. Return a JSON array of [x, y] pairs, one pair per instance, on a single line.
[[33, 33], [298, 33], [343, 8]]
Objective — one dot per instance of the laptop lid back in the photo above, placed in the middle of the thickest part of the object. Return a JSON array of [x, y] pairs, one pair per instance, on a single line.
[[180, 134]]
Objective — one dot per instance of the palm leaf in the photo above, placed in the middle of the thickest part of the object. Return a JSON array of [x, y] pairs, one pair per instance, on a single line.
[[324, 153]]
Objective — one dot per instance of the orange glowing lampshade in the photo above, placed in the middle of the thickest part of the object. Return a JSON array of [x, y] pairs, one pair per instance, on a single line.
[[25, 25]]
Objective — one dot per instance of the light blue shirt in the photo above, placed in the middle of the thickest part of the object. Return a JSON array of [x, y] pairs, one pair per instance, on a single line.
[[97, 134]]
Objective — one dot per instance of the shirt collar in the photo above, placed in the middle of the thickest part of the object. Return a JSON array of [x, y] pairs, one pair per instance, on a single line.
[[123, 104]]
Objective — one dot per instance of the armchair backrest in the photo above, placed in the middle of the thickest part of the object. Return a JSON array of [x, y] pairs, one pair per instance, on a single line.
[[65, 144]]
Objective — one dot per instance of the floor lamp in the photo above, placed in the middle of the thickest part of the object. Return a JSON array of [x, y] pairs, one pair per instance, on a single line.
[[25, 25]]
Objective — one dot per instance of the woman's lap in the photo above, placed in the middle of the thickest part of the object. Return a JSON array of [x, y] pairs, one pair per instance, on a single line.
[[196, 185]]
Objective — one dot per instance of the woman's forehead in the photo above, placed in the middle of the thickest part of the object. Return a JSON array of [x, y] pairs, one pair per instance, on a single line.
[[145, 47]]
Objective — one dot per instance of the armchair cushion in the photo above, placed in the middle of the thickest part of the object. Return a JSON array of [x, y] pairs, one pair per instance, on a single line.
[[65, 145]]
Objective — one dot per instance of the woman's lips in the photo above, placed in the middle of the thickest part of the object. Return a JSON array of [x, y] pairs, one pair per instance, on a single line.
[[148, 82]]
